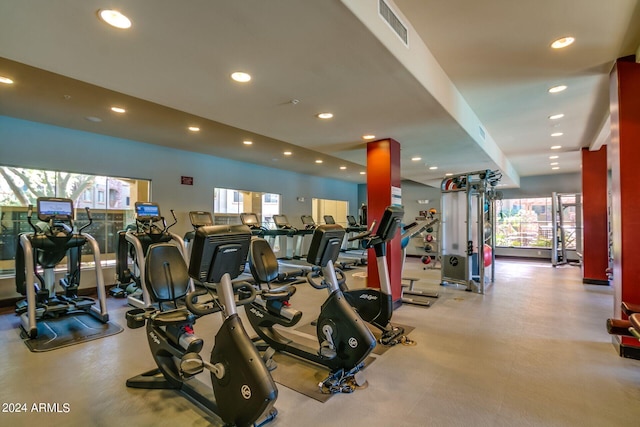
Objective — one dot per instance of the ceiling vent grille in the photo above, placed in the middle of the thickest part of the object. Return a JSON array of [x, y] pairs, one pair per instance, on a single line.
[[394, 22]]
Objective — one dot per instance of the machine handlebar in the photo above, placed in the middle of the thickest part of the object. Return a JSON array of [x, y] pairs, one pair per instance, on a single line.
[[213, 305]]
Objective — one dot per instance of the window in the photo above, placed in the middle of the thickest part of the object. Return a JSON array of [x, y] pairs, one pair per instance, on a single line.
[[528, 223], [524, 223], [228, 204], [20, 187]]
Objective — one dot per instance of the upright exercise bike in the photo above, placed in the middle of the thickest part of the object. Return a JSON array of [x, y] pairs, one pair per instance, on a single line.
[[243, 390], [344, 339], [52, 240], [375, 306]]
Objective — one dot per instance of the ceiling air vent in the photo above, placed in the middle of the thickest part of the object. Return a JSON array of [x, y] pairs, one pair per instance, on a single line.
[[394, 22]]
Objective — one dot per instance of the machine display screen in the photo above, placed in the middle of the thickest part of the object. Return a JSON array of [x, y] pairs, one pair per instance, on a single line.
[[307, 220], [280, 221], [250, 219], [52, 208], [200, 218], [147, 210]]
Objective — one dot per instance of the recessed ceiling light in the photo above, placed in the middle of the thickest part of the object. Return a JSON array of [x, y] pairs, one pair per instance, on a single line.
[[114, 18], [343, 167], [241, 77], [553, 164], [556, 147], [448, 174], [287, 153], [194, 128], [118, 110], [433, 168], [247, 142], [6, 80], [363, 173], [557, 134], [563, 42], [318, 161], [556, 116], [555, 168], [325, 115], [416, 159], [368, 137], [93, 119], [553, 157], [557, 89]]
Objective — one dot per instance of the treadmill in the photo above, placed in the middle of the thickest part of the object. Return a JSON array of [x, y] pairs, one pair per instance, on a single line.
[[287, 273]]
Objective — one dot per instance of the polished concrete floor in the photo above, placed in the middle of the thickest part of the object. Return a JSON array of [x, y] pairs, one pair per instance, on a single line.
[[532, 351]]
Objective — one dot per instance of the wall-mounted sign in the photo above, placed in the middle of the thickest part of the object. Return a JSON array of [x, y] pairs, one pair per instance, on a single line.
[[186, 180]]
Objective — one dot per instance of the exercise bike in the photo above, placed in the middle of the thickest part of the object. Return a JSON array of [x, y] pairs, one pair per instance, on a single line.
[[243, 390], [52, 240], [344, 341], [375, 306]]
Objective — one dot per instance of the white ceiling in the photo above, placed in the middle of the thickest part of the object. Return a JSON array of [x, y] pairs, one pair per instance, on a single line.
[[472, 68]]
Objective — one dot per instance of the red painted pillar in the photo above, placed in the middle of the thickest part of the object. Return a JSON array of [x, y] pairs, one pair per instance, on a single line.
[[383, 174], [595, 256], [624, 152]]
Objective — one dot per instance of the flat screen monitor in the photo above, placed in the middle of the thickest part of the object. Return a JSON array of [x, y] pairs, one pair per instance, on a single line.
[[200, 218], [281, 221], [390, 223], [54, 208], [307, 220], [325, 244], [219, 249], [147, 211], [250, 219], [328, 219]]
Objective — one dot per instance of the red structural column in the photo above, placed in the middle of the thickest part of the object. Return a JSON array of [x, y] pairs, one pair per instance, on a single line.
[[624, 152], [595, 255], [383, 173]]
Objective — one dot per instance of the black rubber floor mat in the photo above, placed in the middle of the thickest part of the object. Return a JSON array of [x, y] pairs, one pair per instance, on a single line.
[[67, 331], [303, 376]]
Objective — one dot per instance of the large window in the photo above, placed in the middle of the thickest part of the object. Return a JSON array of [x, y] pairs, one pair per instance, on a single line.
[[228, 204], [524, 222], [110, 200], [529, 222]]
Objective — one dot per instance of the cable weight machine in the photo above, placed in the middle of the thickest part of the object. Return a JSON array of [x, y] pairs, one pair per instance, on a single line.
[[467, 229]]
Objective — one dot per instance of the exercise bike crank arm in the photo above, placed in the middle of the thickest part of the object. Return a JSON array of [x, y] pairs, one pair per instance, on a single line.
[[217, 369]]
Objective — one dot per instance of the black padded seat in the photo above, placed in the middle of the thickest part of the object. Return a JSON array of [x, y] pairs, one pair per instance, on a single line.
[[262, 261], [166, 273]]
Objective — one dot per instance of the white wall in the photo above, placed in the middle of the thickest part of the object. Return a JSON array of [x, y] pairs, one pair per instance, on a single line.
[[36, 145]]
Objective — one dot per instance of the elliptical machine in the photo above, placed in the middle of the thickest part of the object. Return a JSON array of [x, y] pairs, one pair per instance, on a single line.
[[243, 390], [150, 228], [52, 239], [344, 339]]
